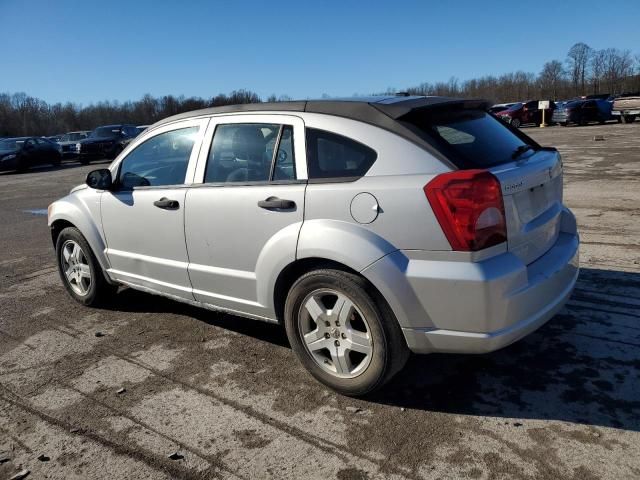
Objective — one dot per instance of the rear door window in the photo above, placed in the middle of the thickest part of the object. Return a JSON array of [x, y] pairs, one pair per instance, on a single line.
[[468, 138], [332, 156]]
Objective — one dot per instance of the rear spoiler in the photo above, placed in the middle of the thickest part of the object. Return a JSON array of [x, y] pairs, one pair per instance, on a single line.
[[400, 109]]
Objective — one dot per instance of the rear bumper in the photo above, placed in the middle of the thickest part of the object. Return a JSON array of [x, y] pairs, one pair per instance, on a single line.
[[482, 306]]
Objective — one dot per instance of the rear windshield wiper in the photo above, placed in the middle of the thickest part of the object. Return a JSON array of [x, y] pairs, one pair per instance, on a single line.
[[520, 150]]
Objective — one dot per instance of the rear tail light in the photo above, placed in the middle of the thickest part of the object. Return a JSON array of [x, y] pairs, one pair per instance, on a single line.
[[468, 205]]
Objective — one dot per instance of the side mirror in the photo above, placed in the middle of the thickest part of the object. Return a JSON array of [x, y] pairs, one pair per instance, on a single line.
[[100, 179]]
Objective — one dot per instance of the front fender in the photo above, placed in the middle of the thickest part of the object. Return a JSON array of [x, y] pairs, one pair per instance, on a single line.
[[82, 209]]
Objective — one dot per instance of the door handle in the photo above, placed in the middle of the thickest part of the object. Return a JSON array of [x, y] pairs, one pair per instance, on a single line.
[[167, 204], [275, 202]]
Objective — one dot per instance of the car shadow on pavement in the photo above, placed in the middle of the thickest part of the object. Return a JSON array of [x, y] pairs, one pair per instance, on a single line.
[[130, 300], [581, 367]]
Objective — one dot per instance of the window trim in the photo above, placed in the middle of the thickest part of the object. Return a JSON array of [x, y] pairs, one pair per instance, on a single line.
[[299, 145], [342, 179], [148, 135]]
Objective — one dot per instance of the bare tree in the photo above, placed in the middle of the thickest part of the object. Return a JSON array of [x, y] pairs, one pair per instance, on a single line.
[[578, 64], [550, 79]]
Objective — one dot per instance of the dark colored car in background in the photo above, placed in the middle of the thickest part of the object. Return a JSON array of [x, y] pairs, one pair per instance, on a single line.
[[582, 112], [525, 113], [105, 142], [24, 152]]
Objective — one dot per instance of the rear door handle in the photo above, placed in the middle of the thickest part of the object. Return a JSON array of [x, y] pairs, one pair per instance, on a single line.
[[167, 204], [275, 202]]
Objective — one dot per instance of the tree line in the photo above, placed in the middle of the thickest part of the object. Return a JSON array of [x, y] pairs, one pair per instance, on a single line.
[[584, 71]]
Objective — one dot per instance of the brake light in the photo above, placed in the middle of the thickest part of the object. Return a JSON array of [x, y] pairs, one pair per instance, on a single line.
[[469, 207]]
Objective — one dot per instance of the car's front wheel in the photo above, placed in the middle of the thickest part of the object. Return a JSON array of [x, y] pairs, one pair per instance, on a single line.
[[342, 333], [79, 269], [515, 123]]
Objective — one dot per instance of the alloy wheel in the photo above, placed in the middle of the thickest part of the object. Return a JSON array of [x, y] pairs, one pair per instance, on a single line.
[[335, 333], [76, 268]]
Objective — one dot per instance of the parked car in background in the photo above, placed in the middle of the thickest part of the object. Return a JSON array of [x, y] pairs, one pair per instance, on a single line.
[[22, 153], [68, 142], [582, 112], [54, 138], [368, 227], [626, 107], [142, 128], [105, 142], [499, 107], [525, 113]]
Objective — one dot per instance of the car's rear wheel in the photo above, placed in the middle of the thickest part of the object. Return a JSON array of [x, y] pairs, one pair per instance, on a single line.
[[79, 269], [515, 123], [342, 332], [628, 118]]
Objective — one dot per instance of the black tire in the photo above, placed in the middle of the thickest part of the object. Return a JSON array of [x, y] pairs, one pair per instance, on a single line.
[[389, 351], [99, 290], [83, 161], [57, 161], [628, 118], [515, 123], [564, 124]]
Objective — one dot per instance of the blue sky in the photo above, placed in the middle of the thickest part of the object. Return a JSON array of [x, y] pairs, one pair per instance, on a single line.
[[86, 51]]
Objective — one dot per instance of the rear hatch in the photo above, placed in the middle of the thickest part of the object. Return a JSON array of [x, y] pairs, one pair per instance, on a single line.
[[532, 194], [530, 176]]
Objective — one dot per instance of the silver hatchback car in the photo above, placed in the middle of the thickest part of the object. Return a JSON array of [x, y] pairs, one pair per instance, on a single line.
[[369, 227]]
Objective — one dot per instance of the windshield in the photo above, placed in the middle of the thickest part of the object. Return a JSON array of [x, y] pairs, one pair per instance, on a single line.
[[105, 132], [11, 144], [72, 137], [469, 138]]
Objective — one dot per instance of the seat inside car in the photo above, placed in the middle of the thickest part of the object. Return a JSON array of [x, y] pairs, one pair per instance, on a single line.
[[249, 147]]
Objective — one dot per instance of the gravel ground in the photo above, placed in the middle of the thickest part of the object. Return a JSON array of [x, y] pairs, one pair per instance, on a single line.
[[215, 396]]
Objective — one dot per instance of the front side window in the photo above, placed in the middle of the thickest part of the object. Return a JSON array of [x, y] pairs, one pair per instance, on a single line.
[[241, 153], [333, 156], [161, 160]]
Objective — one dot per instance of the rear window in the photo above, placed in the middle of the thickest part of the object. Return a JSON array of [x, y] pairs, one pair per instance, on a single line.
[[468, 138], [332, 156]]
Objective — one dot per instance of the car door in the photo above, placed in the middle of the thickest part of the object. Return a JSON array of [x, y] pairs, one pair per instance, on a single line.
[[29, 152], [46, 151], [590, 111], [245, 209], [143, 215]]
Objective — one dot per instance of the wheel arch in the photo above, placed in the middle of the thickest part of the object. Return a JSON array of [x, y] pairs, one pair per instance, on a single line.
[[63, 214]]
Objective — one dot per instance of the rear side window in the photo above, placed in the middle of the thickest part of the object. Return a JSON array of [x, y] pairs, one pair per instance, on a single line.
[[468, 138], [333, 156]]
